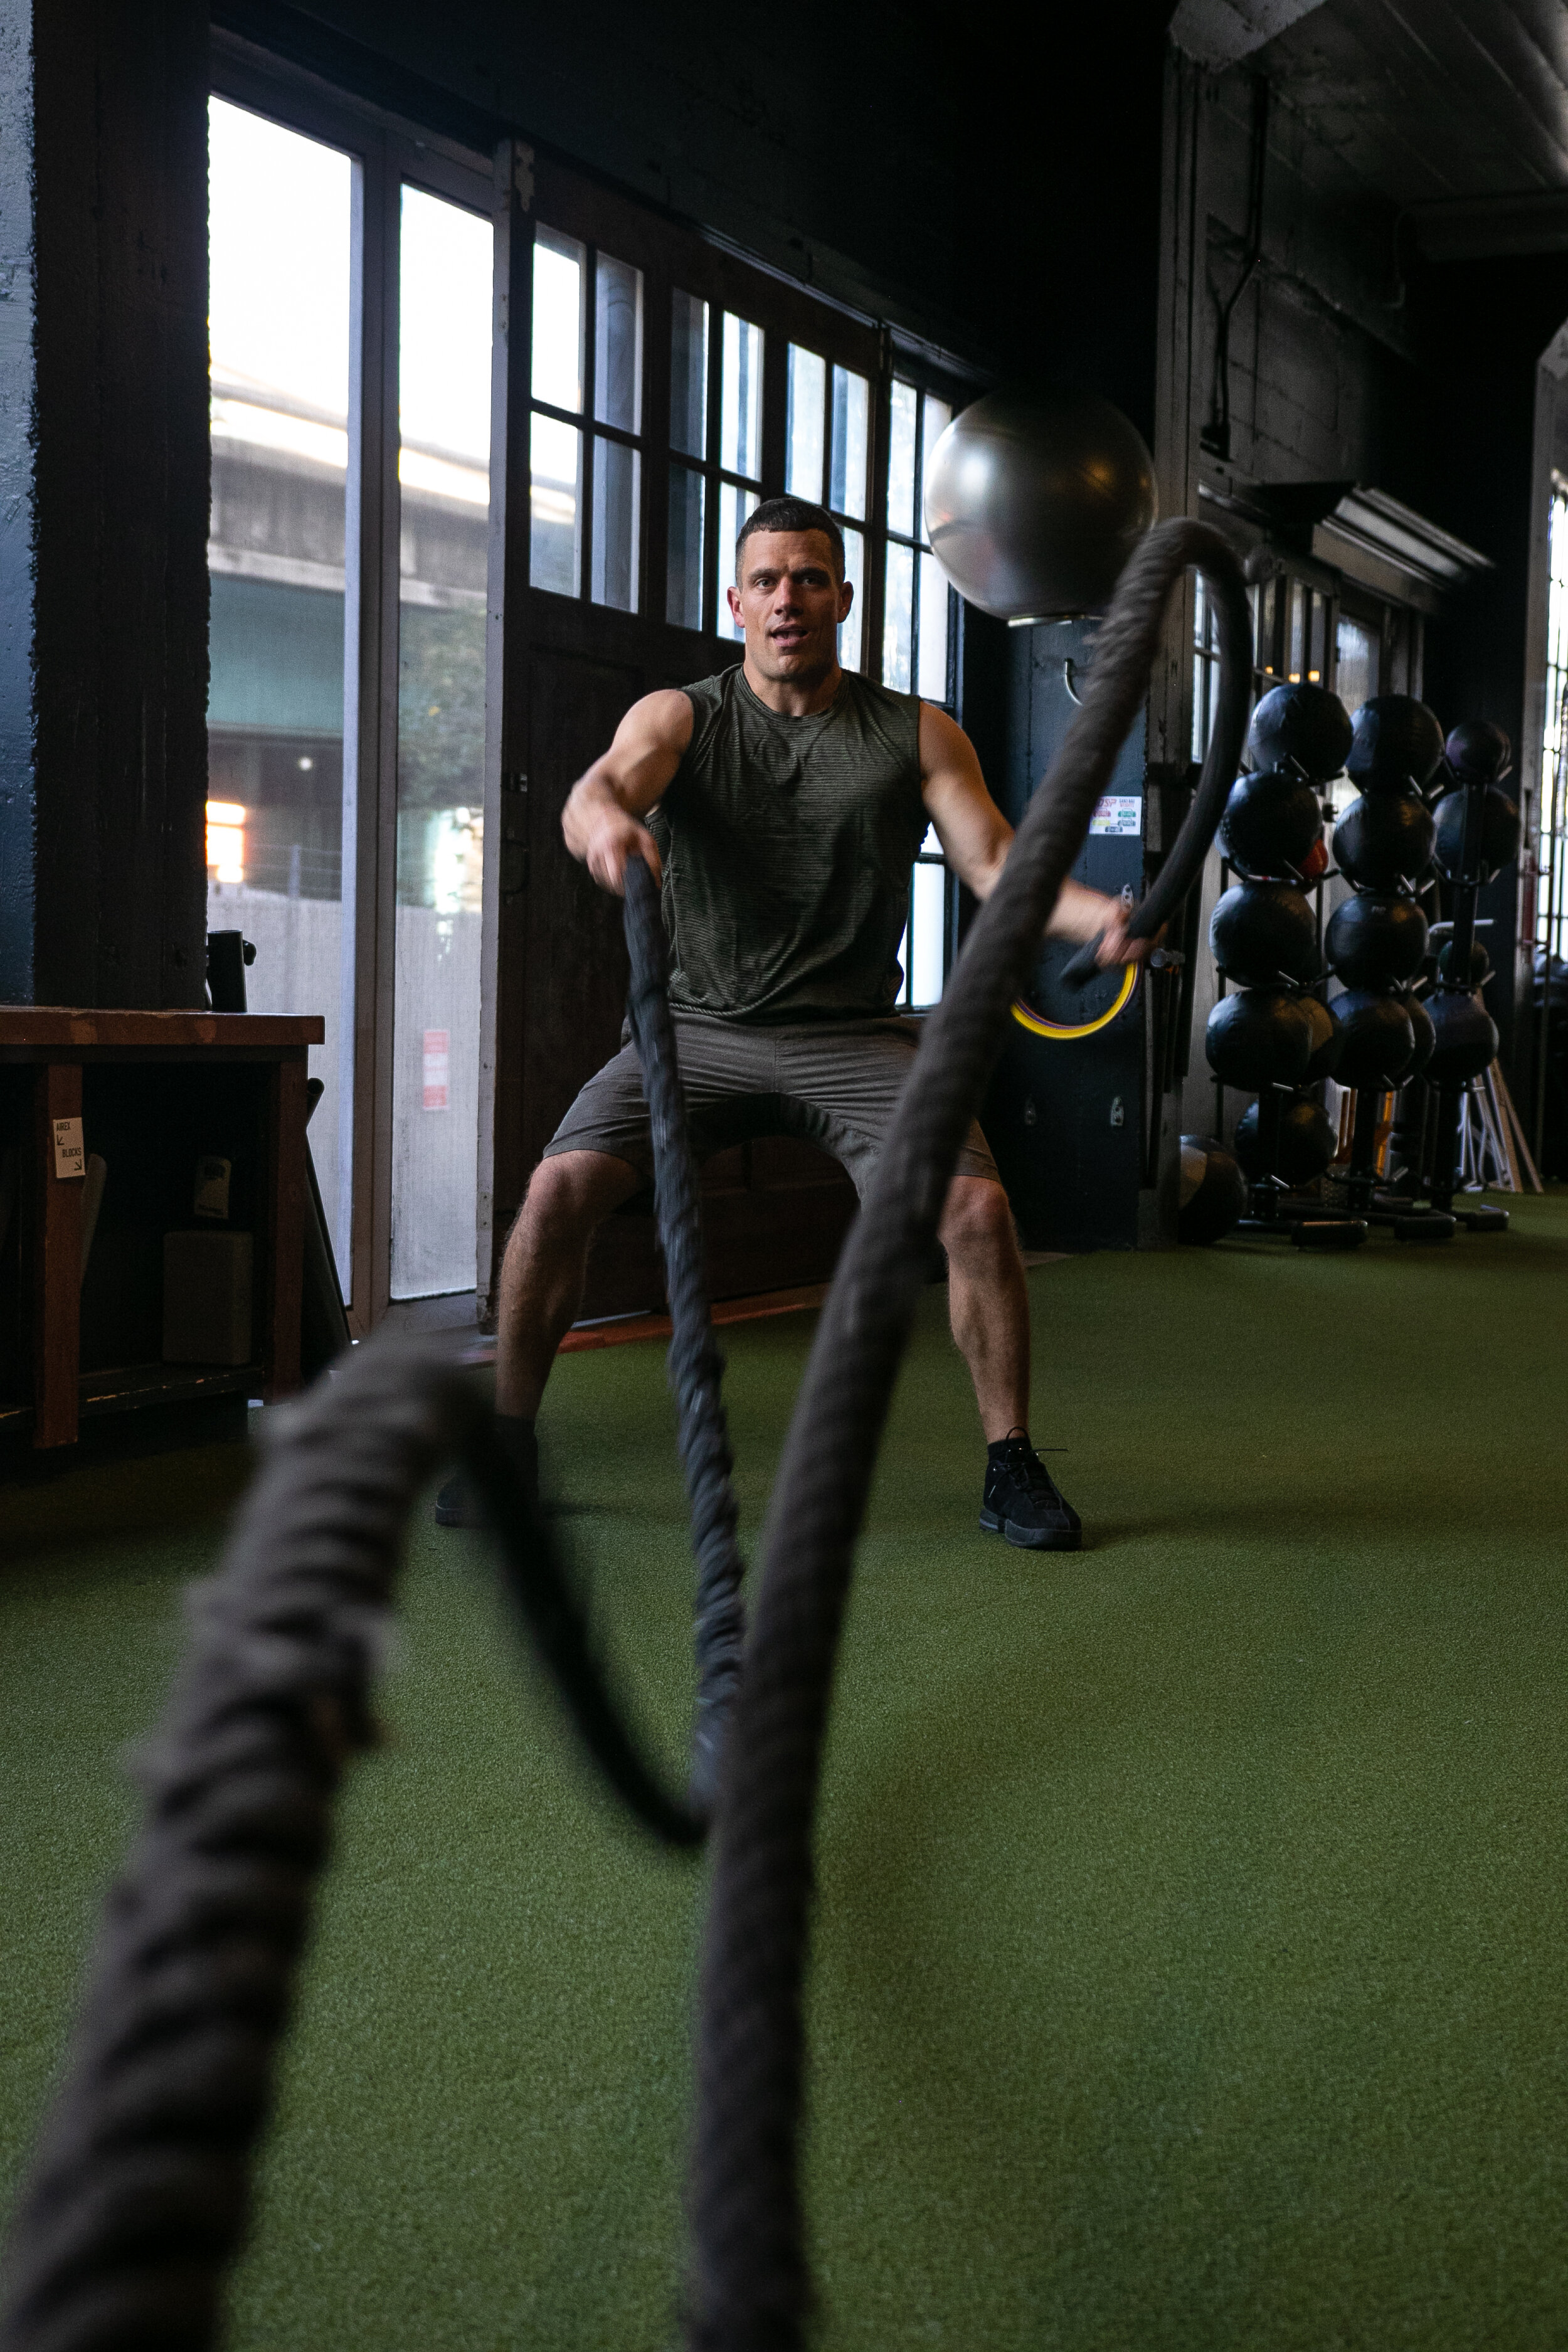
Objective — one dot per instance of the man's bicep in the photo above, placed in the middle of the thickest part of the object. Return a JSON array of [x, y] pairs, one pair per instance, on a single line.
[[973, 833], [648, 746]]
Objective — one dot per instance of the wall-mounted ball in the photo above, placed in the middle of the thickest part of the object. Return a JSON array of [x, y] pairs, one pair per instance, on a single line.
[[1396, 743], [1384, 839], [1424, 1035], [1466, 1038], [1378, 1042], [1308, 1142], [1324, 1059], [1271, 822], [1258, 1037], [1375, 940], [1212, 1191], [1477, 752], [1035, 499], [1499, 833], [1261, 933], [1303, 727]]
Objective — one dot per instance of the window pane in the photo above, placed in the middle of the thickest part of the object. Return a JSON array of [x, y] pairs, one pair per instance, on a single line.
[[555, 534], [807, 397], [1317, 641], [897, 619], [447, 265], [279, 230], [851, 637], [851, 412], [937, 418], [928, 909], [933, 631], [683, 586], [1356, 652], [688, 375], [901, 460], [557, 319], [617, 343], [1296, 635], [740, 399], [616, 476], [734, 506]]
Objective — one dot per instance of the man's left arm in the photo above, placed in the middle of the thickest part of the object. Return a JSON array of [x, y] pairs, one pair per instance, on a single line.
[[975, 838]]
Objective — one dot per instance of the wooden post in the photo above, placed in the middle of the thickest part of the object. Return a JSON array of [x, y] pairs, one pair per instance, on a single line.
[[285, 1227], [56, 1262]]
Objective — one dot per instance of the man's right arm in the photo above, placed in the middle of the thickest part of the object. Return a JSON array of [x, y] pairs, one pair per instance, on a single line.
[[603, 816]]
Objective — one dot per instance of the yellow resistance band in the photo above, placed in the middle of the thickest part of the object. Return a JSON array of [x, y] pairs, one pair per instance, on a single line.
[[1028, 1018]]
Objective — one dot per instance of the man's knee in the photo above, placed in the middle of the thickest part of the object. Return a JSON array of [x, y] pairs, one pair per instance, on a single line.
[[977, 1223], [568, 1195]]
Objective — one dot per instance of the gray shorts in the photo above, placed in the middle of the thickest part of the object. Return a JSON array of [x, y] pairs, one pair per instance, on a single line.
[[836, 1085]]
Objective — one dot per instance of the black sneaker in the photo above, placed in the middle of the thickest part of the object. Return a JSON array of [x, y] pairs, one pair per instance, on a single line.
[[1021, 1501], [457, 1505]]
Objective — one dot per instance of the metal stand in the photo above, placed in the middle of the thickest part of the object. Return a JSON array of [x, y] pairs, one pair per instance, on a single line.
[[1407, 1223], [1278, 1213], [1447, 1147]]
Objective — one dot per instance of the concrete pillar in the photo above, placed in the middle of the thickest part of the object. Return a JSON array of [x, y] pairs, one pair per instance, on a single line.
[[104, 501]]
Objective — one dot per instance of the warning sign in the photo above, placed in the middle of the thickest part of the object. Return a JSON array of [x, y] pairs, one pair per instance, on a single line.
[[1119, 812], [70, 1155]]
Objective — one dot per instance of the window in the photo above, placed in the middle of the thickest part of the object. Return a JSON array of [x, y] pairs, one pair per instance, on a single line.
[[1552, 889], [828, 458], [916, 625], [1357, 649], [716, 422], [445, 273], [281, 237], [1205, 666], [586, 425]]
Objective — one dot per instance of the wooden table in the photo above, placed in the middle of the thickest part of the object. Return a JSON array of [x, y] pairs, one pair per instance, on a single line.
[[56, 1046]]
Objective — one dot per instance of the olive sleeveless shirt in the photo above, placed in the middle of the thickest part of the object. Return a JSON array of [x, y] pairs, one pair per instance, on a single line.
[[787, 846]]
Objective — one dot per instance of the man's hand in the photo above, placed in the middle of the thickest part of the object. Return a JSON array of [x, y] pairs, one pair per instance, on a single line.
[[1115, 947], [609, 838]]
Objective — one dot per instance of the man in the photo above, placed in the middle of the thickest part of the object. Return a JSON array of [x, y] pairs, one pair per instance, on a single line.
[[782, 803]]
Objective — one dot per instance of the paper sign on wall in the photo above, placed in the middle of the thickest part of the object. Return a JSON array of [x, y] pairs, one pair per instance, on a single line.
[[70, 1155], [1119, 812], [438, 1068]]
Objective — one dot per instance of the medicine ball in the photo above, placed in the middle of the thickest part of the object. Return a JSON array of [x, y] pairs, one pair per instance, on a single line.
[[1259, 1037], [1300, 726], [1481, 963], [1263, 932], [1324, 1057], [1478, 751], [1374, 940], [1424, 1035], [1035, 499], [1467, 1037], [1384, 839], [1499, 833], [1379, 1039], [1308, 1142], [1396, 743], [1213, 1193], [1270, 823]]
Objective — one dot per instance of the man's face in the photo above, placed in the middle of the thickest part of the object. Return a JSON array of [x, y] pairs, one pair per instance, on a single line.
[[790, 600]]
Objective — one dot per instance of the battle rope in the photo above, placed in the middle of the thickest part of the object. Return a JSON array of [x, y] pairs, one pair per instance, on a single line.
[[136, 2200], [695, 1367], [750, 2285]]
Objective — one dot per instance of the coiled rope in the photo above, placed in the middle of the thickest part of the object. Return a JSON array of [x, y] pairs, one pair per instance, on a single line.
[[136, 2200], [749, 2283]]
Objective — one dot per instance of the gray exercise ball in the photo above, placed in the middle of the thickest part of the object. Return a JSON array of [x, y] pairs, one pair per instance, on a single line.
[[1034, 501]]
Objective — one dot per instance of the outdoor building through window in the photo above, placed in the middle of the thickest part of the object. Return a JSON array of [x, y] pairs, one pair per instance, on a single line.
[[829, 457]]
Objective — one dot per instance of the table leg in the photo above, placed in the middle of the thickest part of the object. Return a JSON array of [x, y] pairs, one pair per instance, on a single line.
[[285, 1228], [56, 1262]]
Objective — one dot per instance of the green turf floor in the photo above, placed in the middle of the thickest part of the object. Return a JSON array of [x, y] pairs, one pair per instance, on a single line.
[[1192, 1962]]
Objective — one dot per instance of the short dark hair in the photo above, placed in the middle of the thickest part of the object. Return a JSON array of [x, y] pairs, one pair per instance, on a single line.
[[792, 514]]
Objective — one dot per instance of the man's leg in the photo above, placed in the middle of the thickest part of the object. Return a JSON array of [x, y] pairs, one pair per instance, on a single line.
[[987, 1303], [543, 1269]]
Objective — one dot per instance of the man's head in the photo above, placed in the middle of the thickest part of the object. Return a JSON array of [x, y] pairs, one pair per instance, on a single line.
[[790, 592]]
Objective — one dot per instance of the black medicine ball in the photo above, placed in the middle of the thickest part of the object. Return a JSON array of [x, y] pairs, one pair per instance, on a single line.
[[1424, 1035], [1467, 1039], [1397, 743], [1478, 751], [1324, 1059], [1302, 726], [1213, 1193], [1481, 963], [1384, 839], [1499, 833], [1374, 942], [1270, 823], [1258, 1037], [1379, 1039], [1263, 932], [1308, 1142]]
